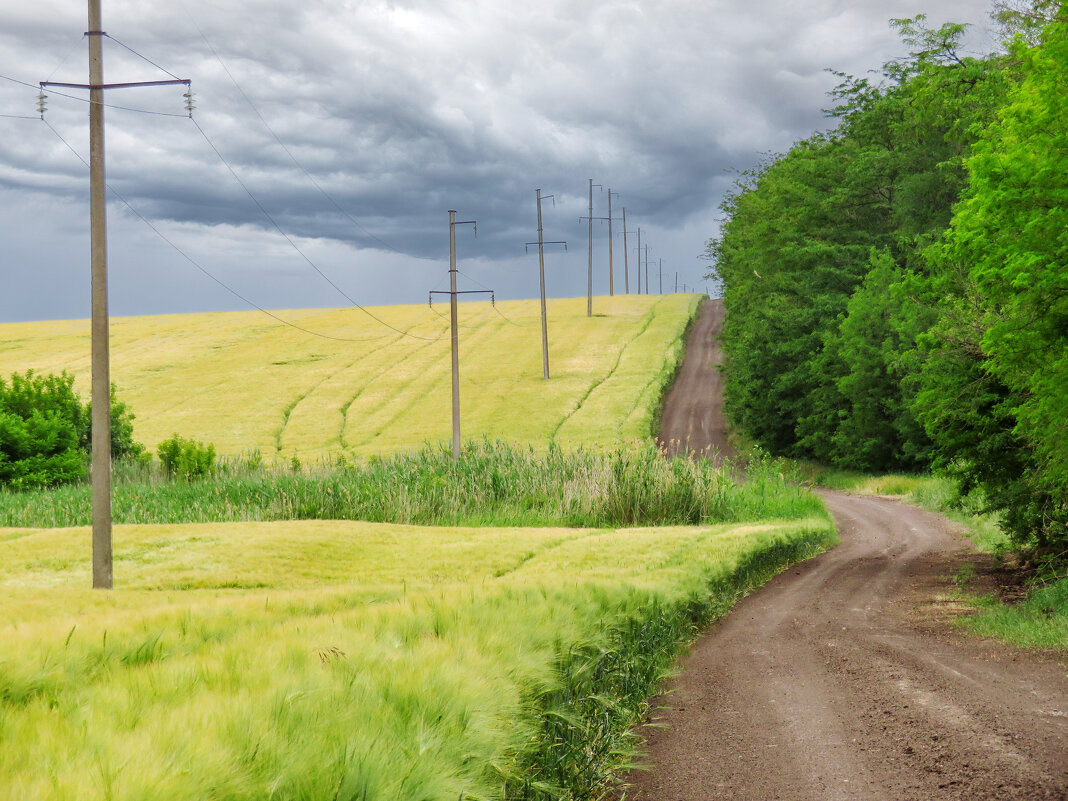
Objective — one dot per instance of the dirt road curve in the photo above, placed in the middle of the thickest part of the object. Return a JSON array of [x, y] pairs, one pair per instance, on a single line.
[[843, 678], [693, 410]]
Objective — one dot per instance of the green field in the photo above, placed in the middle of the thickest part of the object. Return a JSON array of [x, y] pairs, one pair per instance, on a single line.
[[245, 382], [347, 660]]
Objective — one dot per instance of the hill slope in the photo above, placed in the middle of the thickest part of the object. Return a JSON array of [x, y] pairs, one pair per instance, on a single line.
[[244, 381]]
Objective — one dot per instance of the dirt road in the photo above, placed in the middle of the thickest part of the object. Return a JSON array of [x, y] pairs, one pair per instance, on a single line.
[[693, 409], [843, 678]]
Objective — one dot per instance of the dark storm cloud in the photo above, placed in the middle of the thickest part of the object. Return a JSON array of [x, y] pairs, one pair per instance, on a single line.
[[402, 110]]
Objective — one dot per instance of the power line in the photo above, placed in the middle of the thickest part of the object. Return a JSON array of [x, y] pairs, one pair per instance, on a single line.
[[203, 269], [295, 247], [502, 314], [143, 58], [88, 101], [282, 144]]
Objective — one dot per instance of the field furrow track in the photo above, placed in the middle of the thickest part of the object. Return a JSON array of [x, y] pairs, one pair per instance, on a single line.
[[844, 678], [611, 371]]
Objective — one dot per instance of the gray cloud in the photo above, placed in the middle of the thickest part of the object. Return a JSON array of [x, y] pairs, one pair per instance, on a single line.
[[400, 111]]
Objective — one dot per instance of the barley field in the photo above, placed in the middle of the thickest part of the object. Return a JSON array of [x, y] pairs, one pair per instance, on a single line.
[[349, 660], [246, 382]]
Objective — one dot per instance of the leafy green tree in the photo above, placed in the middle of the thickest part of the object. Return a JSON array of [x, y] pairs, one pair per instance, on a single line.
[[797, 242], [45, 431], [1008, 248]]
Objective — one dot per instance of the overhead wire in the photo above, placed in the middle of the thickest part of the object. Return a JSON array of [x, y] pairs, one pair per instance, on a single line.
[[200, 267], [142, 57], [90, 102], [502, 314], [296, 247], [288, 152]]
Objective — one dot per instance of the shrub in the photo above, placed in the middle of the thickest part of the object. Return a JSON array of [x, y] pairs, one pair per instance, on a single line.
[[186, 458]]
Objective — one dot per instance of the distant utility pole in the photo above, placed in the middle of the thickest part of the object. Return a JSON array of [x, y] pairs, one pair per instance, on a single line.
[[676, 281], [661, 276], [589, 280], [638, 272], [541, 243], [647, 268], [626, 253], [611, 268], [100, 465], [455, 326]]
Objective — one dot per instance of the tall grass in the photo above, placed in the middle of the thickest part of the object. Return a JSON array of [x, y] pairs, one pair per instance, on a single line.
[[492, 483], [371, 663]]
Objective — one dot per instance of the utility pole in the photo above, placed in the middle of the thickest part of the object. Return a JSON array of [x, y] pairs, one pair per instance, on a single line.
[[661, 276], [646, 268], [589, 279], [676, 281], [455, 326], [100, 394], [639, 270], [611, 268], [541, 275], [626, 253]]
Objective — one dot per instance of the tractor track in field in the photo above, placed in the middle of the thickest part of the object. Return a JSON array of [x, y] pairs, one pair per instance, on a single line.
[[844, 677]]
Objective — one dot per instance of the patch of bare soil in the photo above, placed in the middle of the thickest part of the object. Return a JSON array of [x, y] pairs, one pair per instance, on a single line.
[[844, 678]]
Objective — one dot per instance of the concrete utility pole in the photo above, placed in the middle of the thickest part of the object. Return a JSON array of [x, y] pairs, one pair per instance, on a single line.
[[100, 394], [611, 268], [639, 270], [455, 331], [589, 279], [626, 253], [647, 290], [541, 276], [100, 469]]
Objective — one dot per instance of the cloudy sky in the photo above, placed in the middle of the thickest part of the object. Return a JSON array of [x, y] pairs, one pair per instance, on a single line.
[[357, 124]]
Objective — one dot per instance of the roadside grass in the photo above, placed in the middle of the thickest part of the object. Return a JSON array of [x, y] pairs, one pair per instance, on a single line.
[[1038, 621], [492, 484], [242, 381], [348, 660]]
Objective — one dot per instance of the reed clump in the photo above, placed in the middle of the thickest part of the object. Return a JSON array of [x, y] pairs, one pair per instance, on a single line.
[[493, 483]]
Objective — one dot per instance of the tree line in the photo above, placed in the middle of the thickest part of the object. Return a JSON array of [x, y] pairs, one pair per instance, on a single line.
[[897, 287]]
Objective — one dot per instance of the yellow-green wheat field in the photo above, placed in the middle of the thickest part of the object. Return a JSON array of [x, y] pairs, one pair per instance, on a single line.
[[245, 382], [315, 660]]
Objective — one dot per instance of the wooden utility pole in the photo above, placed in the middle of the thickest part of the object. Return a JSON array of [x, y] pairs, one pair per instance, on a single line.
[[626, 253], [541, 277], [100, 469], [661, 276]]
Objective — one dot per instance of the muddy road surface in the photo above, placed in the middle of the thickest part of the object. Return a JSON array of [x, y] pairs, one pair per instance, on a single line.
[[844, 678]]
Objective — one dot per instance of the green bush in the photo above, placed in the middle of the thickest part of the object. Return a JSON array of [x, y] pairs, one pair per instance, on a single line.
[[186, 458], [45, 431]]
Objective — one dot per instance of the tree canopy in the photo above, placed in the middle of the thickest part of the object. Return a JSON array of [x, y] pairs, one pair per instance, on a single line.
[[897, 287]]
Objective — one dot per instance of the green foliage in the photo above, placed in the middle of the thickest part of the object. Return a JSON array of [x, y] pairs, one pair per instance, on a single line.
[[492, 484], [41, 425], [995, 394], [186, 458], [816, 249], [45, 431]]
